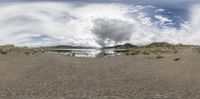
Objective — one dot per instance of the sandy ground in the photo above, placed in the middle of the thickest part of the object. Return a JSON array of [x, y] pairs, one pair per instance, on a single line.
[[51, 76]]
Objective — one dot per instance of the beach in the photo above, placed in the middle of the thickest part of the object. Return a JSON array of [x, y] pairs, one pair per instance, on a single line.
[[57, 76]]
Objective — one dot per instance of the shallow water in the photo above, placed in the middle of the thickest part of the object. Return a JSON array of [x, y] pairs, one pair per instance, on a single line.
[[87, 52]]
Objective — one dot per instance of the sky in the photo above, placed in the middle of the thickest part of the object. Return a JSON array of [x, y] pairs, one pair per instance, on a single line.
[[99, 23]]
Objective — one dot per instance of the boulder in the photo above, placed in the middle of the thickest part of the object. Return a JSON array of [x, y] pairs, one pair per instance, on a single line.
[[4, 50]]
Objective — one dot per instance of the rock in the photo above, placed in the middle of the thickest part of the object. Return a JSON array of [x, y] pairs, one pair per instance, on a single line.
[[27, 52], [146, 53], [4, 50], [33, 51], [177, 59], [42, 51], [159, 57], [135, 52]]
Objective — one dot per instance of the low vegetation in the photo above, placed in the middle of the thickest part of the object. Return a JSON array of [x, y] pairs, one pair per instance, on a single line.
[[153, 48]]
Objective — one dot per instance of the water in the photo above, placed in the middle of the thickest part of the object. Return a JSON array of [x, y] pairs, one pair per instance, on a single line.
[[87, 52]]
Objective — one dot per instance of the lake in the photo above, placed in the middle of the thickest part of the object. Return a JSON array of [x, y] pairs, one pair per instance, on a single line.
[[86, 52]]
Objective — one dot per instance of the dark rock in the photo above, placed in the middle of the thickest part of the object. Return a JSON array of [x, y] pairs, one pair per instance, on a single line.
[[4, 50], [177, 59], [135, 52], [159, 57], [27, 52], [146, 53]]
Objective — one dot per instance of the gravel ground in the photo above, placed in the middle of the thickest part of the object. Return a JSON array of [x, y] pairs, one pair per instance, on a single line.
[[53, 76]]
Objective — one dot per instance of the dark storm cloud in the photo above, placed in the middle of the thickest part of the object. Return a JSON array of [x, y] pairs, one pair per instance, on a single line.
[[111, 30]]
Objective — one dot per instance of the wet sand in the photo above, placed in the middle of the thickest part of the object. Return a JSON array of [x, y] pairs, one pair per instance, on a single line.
[[54, 76]]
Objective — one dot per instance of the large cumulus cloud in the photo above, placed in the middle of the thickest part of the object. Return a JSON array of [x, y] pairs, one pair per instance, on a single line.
[[112, 31]]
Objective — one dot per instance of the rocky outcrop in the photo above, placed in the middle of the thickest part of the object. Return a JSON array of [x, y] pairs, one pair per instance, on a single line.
[[32, 51], [27, 51], [5, 49]]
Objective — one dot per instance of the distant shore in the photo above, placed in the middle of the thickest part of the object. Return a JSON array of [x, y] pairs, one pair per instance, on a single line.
[[126, 49]]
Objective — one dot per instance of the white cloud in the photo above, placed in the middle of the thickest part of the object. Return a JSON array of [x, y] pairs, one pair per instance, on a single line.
[[162, 19], [159, 10], [66, 23]]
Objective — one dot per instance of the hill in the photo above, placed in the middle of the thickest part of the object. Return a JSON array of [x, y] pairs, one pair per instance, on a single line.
[[124, 46]]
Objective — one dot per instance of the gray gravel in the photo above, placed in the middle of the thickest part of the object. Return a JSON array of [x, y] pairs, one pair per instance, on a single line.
[[51, 76]]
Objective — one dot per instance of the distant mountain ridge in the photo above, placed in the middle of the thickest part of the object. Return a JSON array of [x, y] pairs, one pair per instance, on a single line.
[[124, 46], [151, 45], [160, 44]]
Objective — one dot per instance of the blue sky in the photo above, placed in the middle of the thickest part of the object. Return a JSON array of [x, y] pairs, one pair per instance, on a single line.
[[98, 22]]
